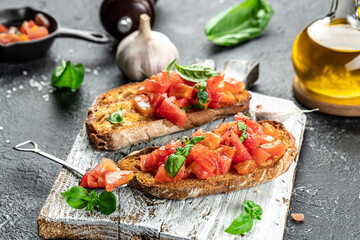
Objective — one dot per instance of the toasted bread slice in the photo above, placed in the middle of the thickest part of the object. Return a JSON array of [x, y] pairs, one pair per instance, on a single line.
[[193, 188], [137, 128]]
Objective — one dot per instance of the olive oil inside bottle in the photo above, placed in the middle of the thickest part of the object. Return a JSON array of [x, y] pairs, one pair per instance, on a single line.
[[326, 59]]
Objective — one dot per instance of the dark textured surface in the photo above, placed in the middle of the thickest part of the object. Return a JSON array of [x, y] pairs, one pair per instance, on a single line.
[[327, 182]]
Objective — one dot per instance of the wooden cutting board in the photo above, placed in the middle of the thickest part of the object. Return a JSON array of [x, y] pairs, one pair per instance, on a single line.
[[139, 215]]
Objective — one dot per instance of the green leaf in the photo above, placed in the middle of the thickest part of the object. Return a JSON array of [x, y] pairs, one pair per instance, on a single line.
[[186, 108], [195, 140], [76, 197], [242, 224], [242, 128], [116, 117], [173, 164], [195, 72], [169, 67], [68, 75], [203, 97], [239, 23], [199, 106], [107, 202]]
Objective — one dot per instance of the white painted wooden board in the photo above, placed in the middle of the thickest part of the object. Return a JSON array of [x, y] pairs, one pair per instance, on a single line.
[[208, 217]]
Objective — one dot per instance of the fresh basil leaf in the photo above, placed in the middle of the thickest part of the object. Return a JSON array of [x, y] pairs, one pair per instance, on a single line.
[[242, 224], [76, 197], [186, 108], [185, 139], [239, 23], [68, 75], [199, 106], [195, 72], [195, 140], [94, 200], [184, 151], [242, 128], [173, 164], [203, 97], [107, 202], [116, 117], [169, 67]]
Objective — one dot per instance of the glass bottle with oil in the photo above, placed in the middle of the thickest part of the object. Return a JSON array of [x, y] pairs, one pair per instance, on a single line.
[[326, 55]]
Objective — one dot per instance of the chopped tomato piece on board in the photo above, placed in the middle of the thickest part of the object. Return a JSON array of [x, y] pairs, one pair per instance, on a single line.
[[163, 176], [260, 156], [199, 171], [180, 90], [114, 179], [108, 165], [232, 140], [201, 155], [168, 109], [83, 182], [234, 85], [92, 179], [211, 140], [3, 28], [246, 167], [142, 104], [198, 133], [270, 130], [275, 149], [156, 99]]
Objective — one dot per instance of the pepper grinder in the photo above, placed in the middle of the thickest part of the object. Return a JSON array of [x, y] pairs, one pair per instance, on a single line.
[[121, 17]]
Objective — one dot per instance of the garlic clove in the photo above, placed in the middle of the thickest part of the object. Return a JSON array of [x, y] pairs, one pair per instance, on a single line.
[[145, 52], [279, 116]]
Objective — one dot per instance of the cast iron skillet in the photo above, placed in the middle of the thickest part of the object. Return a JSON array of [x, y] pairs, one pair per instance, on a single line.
[[23, 51]]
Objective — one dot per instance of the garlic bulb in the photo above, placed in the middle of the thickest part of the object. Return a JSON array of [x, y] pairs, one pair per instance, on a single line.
[[144, 52]]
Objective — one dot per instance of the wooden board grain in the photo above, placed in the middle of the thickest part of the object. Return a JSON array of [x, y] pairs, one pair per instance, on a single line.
[[140, 215]]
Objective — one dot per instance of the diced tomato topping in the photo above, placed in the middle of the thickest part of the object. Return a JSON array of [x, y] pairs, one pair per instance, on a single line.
[[3, 28], [199, 171], [156, 99], [245, 167], [252, 141], [226, 151], [260, 156], [275, 149], [39, 32], [148, 163], [240, 117], [175, 77], [142, 104], [201, 155], [220, 99], [168, 109], [114, 179], [211, 140], [163, 176], [142, 89], [180, 90], [182, 102], [232, 140], [234, 85], [223, 162], [265, 139], [270, 130], [188, 161], [158, 83], [224, 127], [200, 132]]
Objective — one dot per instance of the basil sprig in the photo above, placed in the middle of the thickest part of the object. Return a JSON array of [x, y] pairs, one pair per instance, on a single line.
[[78, 198], [244, 222], [169, 67], [239, 23], [242, 128], [175, 161], [195, 72], [68, 75], [116, 117]]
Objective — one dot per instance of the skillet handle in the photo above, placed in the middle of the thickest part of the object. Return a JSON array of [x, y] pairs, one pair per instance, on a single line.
[[95, 37]]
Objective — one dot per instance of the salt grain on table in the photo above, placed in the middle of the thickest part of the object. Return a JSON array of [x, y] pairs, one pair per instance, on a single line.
[[44, 77], [21, 87], [7, 141], [24, 73], [8, 96], [1, 128], [95, 72], [14, 89], [8, 91], [88, 70]]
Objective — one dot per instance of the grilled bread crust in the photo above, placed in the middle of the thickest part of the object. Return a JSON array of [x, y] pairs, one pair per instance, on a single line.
[[194, 188], [137, 128]]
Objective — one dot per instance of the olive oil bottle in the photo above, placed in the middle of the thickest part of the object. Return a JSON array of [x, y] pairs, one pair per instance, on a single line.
[[326, 57]]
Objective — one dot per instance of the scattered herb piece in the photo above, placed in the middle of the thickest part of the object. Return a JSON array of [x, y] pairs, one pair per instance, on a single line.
[[244, 222], [116, 117], [169, 67], [202, 94], [175, 161], [195, 72], [186, 108], [239, 23], [242, 128], [77, 197], [68, 75]]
